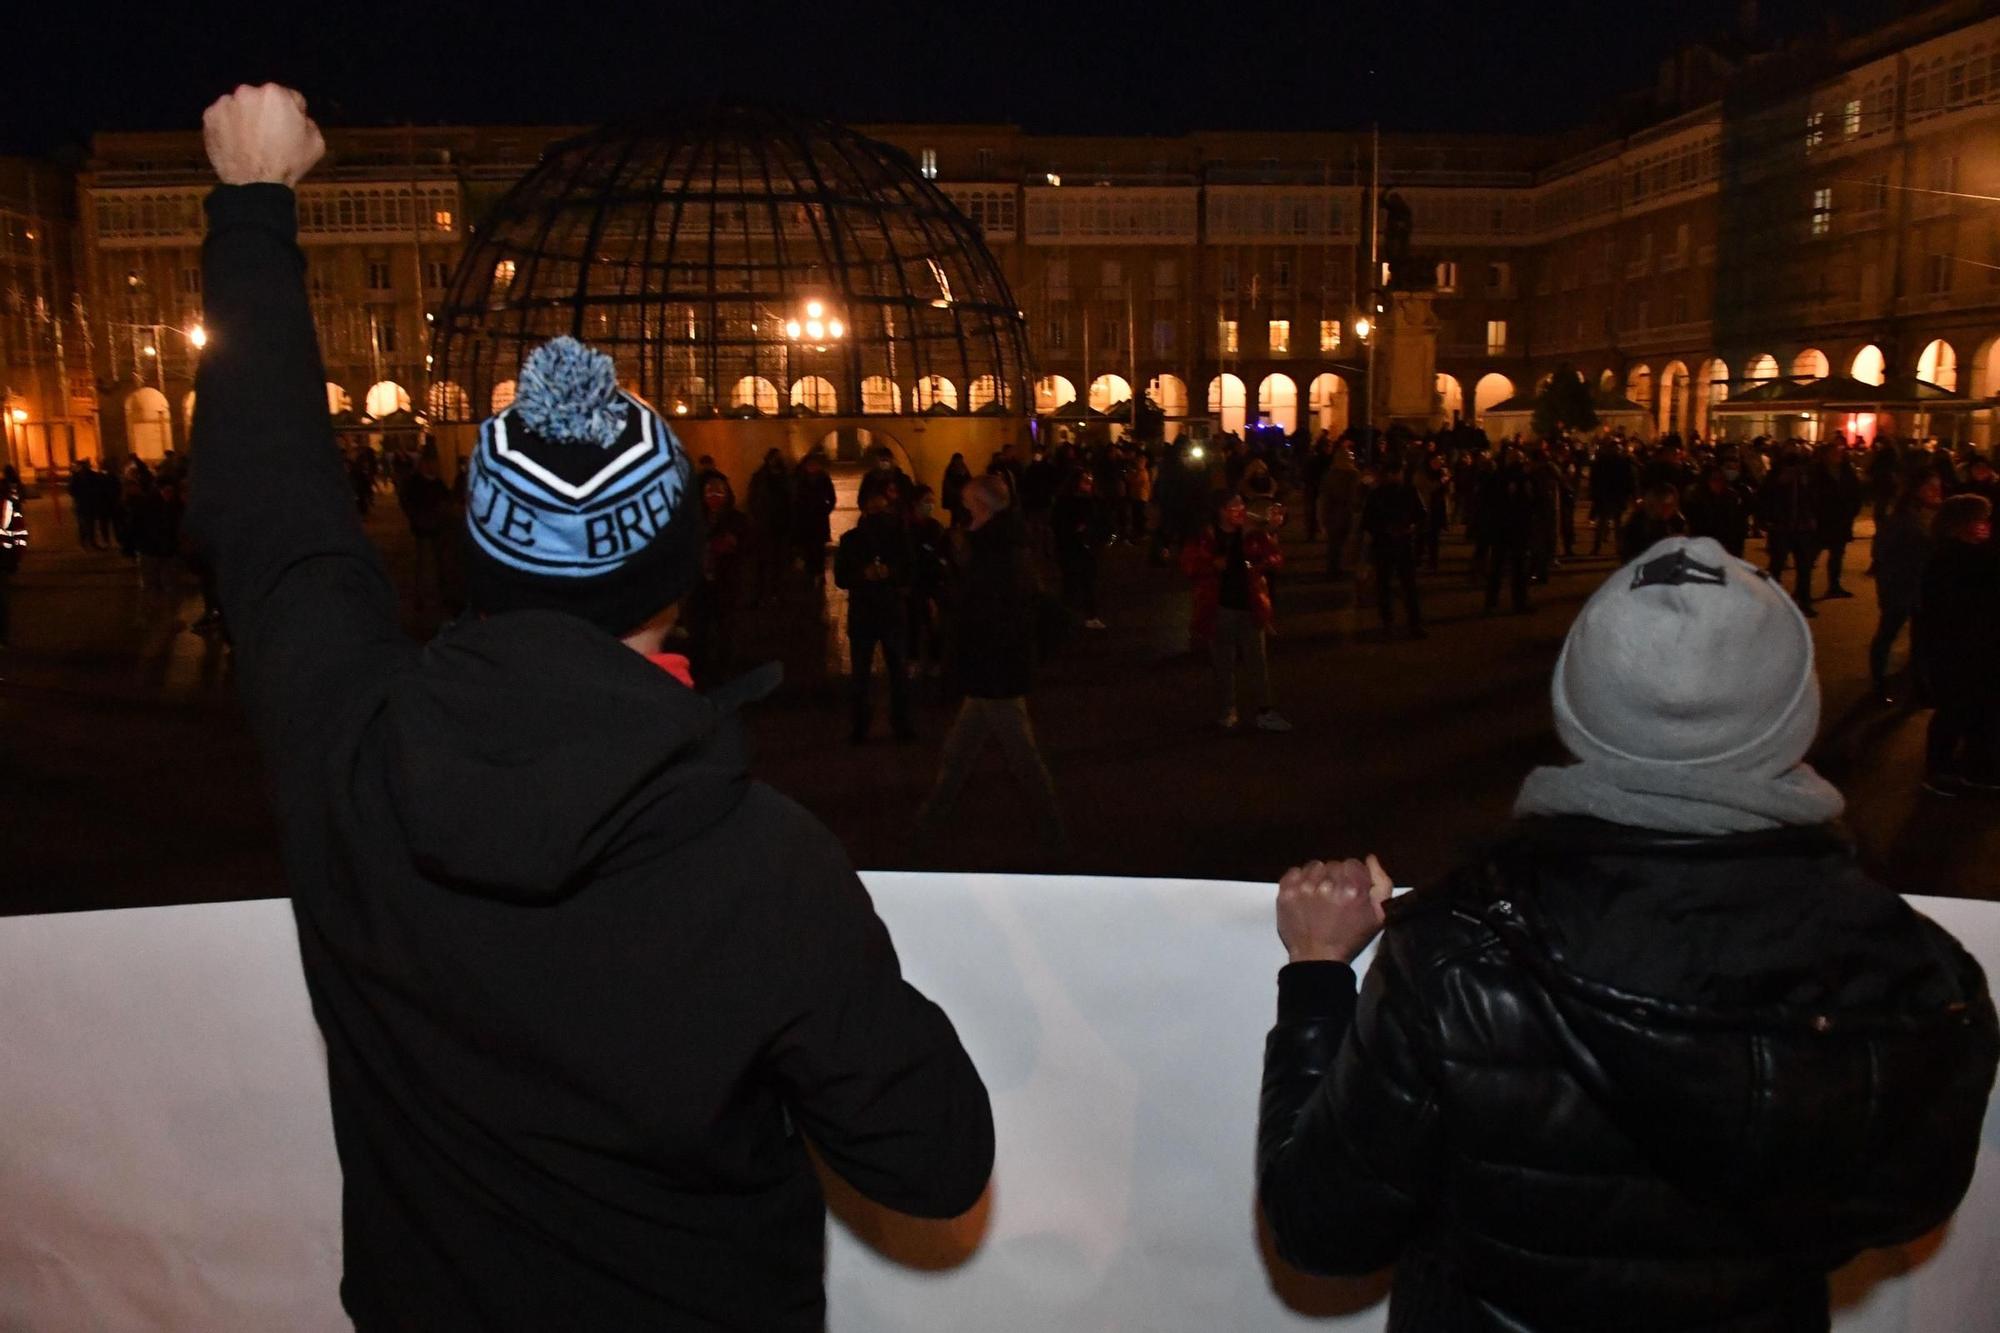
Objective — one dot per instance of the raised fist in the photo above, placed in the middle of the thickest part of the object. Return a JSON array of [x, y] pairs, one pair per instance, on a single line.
[[261, 134]]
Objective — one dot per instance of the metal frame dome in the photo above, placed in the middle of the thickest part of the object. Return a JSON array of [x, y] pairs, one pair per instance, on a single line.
[[689, 245]]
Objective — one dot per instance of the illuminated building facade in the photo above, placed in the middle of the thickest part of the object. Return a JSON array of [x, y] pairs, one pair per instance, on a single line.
[[1826, 208]]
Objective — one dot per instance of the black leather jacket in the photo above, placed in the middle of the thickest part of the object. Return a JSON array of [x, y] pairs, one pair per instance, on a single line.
[[1620, 1080]]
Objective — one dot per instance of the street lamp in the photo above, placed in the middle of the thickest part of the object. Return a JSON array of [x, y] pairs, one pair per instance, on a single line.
[[813, 330], [198, 337], [1362, 328]]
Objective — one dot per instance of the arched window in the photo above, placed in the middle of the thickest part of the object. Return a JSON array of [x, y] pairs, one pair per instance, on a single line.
[[1639, 385], [935, 391], [1228, 401], [337, 400], [1451, 396], [815, 393], [1492, 390], [1810, 364], [1106, 391], [503, 396], [756, 393], [447, 402], [1939, 365], [1869, 365], [881, 397], [385, 399], [1051, 392], [1169, 394], [1278, 401]]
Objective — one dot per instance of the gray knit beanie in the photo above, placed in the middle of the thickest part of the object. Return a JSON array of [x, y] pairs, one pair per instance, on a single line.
[[1686, 689]]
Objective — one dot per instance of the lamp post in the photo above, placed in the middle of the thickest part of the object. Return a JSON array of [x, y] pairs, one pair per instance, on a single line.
[[814, 329]]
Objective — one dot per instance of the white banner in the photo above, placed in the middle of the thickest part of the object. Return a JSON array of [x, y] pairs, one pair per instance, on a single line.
[[166, 1155]]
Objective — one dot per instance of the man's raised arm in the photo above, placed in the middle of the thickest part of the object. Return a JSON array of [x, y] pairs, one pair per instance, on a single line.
[[310, 608]]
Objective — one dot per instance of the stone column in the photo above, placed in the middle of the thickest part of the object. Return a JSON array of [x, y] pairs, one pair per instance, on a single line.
[[1406, 363]]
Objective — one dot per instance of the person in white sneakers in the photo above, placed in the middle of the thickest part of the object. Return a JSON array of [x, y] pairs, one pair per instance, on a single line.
[[1229, 559]]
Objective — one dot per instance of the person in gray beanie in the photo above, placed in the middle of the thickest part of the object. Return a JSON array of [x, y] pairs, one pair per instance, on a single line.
[[594, 1001], [1663, 1056]]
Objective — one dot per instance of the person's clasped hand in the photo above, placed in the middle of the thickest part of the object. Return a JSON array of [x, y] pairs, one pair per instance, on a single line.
[[1328, 911], [261, 135]]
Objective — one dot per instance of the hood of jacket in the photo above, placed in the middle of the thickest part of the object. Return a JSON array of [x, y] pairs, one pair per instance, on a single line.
[[1756, 1013], [531, 751]]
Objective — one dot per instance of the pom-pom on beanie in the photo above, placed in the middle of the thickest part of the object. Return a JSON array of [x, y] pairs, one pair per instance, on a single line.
[[579, 498]]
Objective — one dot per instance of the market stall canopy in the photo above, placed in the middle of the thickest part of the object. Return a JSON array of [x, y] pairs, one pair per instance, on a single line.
[[1781, 396]]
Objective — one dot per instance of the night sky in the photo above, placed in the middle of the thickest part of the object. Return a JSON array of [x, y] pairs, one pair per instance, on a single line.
[[1088, 66]]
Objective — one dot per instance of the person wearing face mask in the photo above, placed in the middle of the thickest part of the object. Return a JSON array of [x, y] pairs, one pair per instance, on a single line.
[[886, 479], [1957, 640]]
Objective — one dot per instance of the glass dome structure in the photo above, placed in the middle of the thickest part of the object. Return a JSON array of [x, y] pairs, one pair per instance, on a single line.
[[739, 262]]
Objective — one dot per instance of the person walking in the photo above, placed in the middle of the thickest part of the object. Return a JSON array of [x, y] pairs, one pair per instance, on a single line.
[[1838, 495], [1613, 483], [992, 662], [426, 504], [1903, 549], [1339, 498], [1507, 512], [1596, 1079], [1076, 518], [872, 566], [812, 516], [713, 603], [1788, 508], [1718, 508], [1956, 634], [1391, 518], [771, 524], [595, 1002], [956, 474], [930, 579], [83, 502], [1228, 560]]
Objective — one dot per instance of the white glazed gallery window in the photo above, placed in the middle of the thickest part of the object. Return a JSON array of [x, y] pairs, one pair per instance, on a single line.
[[1281, 337], [929, 164], [1822, 210], [1329, 335], [1496, 337], [1230, 339], [1815, 128], [1850, 117], [1447, 276]]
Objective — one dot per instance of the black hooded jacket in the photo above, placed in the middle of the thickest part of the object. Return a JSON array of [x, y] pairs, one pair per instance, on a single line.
[[587, 989], [1626, 1080]]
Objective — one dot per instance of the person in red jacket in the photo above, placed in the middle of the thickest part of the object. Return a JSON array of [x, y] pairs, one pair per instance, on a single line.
[[1228, 561]]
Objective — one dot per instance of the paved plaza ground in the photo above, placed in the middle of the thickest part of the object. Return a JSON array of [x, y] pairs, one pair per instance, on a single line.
[[127, 778]]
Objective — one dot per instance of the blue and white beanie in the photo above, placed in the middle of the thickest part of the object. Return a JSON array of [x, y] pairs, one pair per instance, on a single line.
[[579, 498]]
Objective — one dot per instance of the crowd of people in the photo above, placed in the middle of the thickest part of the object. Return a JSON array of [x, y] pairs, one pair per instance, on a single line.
[[1224, 511], [596, 1003]]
